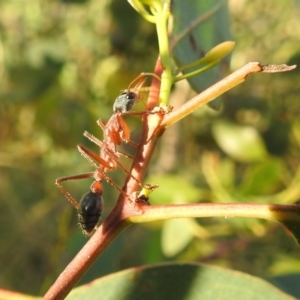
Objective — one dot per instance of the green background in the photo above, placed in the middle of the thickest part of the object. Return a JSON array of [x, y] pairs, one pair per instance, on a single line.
[[62, 63]]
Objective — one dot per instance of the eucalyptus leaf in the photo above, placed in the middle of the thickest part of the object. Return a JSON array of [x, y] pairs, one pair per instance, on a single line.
[[176, 235], [175, 189], [198, 26], [179, 282], [242, 143]]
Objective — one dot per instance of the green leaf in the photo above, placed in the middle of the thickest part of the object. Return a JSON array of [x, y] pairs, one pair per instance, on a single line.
[[294, 227], [285, 264], [242, 143], [289, 216], [289, 283], [218, 52], [198, 27], [178, 281], [176, 235], [211, 58], [263, 178], [12, 295], [174, 189]]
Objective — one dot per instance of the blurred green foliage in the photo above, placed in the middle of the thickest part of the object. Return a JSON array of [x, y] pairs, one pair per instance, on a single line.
[[62, 63]]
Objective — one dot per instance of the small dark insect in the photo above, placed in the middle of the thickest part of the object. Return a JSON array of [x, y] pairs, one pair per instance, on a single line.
[[142, 197], [89, 212]]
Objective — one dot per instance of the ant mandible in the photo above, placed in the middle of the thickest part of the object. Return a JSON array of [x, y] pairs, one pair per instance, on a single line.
[[115, 131]]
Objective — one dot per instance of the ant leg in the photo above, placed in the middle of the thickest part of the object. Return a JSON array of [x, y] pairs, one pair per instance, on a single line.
[[125, 130], [93, 139], [150, 74], [142, 76], [91, 157], [140, 79], [110, 182], [100, 173], [65, 192], [99, 143], [101, 124], [115, 158]]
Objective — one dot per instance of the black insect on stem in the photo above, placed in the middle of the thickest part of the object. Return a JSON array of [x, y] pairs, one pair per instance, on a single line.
[[89, 211]]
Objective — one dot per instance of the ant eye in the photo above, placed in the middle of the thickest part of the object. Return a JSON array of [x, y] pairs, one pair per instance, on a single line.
[[131, 96]]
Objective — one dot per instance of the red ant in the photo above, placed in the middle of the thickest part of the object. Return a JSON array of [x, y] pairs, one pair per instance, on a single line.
[[115, 131]]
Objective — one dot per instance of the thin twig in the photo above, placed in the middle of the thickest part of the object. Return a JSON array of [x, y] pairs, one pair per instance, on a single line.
[[220, 88], [274, 212]]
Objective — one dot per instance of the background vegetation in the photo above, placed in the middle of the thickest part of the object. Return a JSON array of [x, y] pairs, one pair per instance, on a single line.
[[62, 63]]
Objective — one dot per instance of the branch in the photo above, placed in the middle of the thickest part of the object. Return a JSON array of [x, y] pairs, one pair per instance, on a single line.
[[273, 212], [220, 88]]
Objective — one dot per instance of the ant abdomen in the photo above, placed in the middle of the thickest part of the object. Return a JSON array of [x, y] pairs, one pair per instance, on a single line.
[[89, 212]]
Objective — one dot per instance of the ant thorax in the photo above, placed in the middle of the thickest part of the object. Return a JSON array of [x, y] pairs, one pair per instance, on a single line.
[[125, 102]]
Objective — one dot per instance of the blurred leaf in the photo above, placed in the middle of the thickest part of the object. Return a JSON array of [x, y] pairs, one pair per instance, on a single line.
[[29, 83], [11, 295], [294, 227], [218, 52], [40, 52], [178, 281], [172, 189], [211, 58], [198, 27], [263, 178], [176, 235], [74, 1], [284, 265], [276, 136], [289, 216], [242, 143], [296, 131], [288, 283]]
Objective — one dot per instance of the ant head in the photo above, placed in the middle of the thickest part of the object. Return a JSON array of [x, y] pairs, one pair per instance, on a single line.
[[127, 99], [125, 102]]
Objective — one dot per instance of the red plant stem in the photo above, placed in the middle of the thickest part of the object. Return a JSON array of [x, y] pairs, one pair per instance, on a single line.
[[155, 86], [83, 260]]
